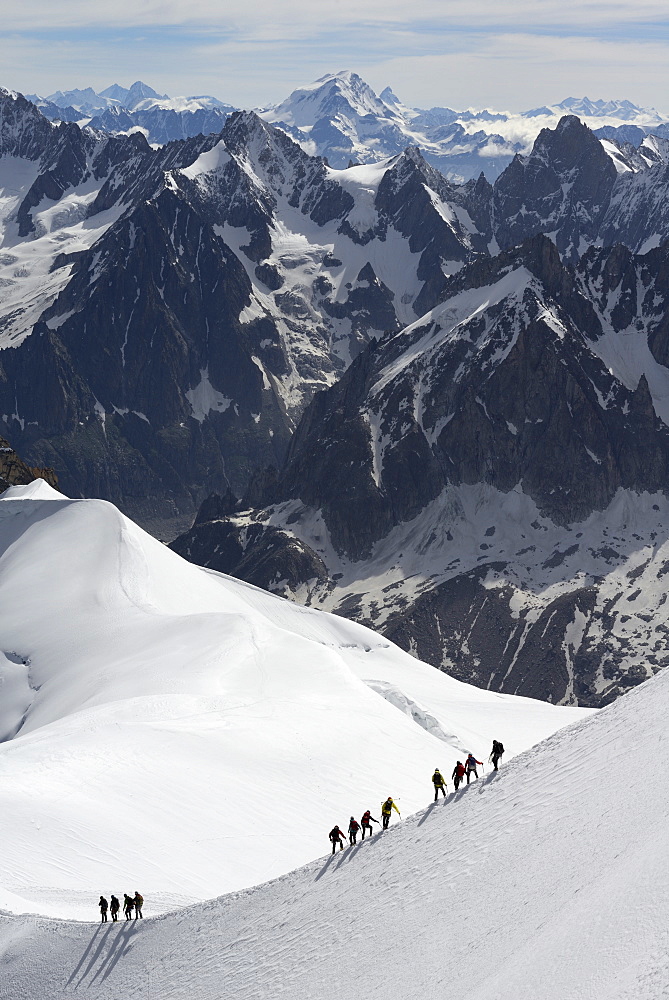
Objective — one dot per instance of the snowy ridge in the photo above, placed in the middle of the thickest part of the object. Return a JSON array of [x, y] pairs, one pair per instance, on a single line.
[[339, 116], [160, 701], [552, 869]]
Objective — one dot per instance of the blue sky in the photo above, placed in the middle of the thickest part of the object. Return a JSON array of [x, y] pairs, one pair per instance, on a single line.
[[432, 52]]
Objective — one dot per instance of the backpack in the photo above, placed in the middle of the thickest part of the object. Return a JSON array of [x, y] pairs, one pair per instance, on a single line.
[[366, 818], [335, 833], [139, 900], [497, 748], [460, 770], [354, 825], [437, 778]]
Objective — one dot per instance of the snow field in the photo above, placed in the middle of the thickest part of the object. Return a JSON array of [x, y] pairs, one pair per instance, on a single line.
[[185, 734], [546, 880], [27, 283]]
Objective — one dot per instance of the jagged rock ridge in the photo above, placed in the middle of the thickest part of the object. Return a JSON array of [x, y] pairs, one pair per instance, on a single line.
[[487, 486], [180, 306]]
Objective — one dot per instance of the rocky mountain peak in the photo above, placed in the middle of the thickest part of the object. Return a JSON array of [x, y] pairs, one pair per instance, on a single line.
[[24, 131], [388, 96], [139, 91], [240, 126], [570, 145], [563, 186]]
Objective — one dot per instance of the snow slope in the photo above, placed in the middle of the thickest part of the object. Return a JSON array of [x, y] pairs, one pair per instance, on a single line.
[[548, 880], [169, 728], [29, 283]]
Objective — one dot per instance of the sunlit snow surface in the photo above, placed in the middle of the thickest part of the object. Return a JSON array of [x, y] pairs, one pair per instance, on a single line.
[[177, 731], [547, 881]]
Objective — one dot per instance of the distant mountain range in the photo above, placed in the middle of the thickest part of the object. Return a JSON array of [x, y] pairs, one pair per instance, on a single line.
[[341, 118], [444, 405]]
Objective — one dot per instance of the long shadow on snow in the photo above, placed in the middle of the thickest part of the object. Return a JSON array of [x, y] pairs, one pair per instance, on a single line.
[[94, 957], [348, 854], [83, 957], [427, 813], [121, 946], [325, 868]]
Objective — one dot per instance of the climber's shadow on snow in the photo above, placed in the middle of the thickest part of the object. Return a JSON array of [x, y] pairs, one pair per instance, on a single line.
[[427, 813], [325, 868], [93, 958], [119, 948], [119, 945], [348, 854]]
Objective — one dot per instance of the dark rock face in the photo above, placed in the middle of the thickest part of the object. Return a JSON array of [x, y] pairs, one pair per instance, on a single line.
[[564, 187], [504, 406], [15, 472], [265, 556], [182, 345], [145, 404], [518, 392], [568, 188], [231, 276]]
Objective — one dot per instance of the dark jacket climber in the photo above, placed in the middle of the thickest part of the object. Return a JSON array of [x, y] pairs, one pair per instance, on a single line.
[[353, 828], [458, 774], [366, 823], [439, 784], [496, 753], [128, 905], [337, 837], [114, 907], [103, 909]]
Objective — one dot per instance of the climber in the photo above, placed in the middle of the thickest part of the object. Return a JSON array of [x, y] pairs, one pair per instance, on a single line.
[[470, 766], [337, 837], [366, 823], [114, 907], [103, 904], [439, 784], [458, 774], [386, 809], [353, 828], [496, 753]]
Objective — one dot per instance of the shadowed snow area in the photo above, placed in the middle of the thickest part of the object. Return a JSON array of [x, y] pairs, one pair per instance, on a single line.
[[548, 880], [172, 730]]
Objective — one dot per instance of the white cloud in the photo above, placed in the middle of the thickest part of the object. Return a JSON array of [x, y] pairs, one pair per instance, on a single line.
[[276, 16], [521, 71], [520, 55]]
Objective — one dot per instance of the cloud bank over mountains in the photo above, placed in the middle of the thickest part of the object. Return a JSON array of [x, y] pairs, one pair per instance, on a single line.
[[438, 53]]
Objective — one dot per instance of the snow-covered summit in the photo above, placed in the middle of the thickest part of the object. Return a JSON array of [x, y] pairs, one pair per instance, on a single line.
[[185, 723], [585, 108], [39, 489], [87, 101], [344, 93], [340, 116]]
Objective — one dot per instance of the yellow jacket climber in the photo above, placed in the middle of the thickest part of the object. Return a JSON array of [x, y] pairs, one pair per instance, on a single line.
[[386, 809]]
